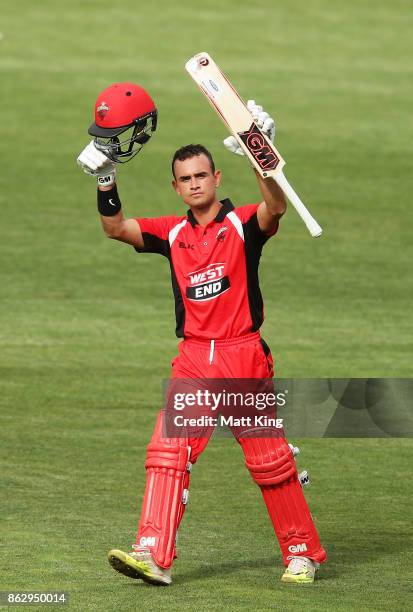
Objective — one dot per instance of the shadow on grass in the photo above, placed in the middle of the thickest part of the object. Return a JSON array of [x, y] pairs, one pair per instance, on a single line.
[[372, 547], [366, 548], [209, 570]]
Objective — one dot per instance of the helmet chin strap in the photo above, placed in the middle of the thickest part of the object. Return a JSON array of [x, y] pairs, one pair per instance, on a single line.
[[143, 138], [116, 145]]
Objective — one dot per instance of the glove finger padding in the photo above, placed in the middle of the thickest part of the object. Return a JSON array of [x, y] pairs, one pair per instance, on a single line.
[[263, 119], [94, 162], [90, 159], [231, 143], [254, 108], [262, 116], [268, 128]]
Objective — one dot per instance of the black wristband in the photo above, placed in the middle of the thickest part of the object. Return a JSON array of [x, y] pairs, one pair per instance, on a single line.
[[109, 203]]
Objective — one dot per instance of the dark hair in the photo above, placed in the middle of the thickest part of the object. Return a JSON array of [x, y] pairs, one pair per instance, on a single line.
[[189, 151]]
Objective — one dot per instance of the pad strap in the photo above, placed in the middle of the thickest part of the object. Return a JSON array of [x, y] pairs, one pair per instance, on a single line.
[[272, 466], [266, 466], [166, 495]]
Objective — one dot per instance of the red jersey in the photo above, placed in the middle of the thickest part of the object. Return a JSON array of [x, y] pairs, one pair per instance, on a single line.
[[214, 270]]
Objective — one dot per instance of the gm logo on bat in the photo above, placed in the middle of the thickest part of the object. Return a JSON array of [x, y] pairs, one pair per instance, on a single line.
[[258, 147]]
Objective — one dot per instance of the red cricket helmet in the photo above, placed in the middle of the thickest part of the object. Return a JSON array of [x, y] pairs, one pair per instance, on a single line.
[[123, 107]]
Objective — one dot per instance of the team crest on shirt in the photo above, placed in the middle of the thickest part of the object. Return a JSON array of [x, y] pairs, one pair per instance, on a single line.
[[221, 234], [207, 283]]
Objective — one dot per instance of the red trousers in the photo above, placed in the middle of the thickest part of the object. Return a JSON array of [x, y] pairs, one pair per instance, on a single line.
[[269, 459]]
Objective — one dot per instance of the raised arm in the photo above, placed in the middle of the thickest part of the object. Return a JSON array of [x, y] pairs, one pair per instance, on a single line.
[[274, 204], [114, 224], [125, 119]]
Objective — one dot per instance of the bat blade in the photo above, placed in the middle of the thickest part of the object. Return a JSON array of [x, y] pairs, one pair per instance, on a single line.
[[234, 113]]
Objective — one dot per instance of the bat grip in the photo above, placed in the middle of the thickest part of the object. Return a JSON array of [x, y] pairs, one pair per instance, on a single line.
[[312, 225]]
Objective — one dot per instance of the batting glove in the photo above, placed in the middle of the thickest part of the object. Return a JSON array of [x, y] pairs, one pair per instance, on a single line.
[[94, 162], [262, 119]]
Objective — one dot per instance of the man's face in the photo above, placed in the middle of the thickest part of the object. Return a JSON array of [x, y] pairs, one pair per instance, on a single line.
[[195, 182]]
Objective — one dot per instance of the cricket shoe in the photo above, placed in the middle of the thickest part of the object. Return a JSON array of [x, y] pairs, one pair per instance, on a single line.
[[300, 570], [139, 564]]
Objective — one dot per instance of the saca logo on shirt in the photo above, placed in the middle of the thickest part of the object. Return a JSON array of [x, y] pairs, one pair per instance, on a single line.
[[207, 283]]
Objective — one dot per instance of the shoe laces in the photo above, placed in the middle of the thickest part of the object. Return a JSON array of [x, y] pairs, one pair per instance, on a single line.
[[144, 554], [141, 553], [298, 565]]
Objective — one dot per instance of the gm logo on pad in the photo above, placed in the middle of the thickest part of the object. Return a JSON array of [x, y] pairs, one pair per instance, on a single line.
[[297, 548], [150, 541]]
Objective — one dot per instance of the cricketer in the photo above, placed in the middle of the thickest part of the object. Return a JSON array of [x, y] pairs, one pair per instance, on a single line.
[[213, 251]]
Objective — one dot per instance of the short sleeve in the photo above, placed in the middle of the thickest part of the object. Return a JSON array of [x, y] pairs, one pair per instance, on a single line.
[[155, 234], [248, 217]]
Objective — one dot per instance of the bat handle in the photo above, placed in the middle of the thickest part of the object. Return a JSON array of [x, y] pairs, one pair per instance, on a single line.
[[312, 225]]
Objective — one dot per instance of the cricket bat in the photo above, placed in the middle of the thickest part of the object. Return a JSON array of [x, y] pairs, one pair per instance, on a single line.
[[236, 116]]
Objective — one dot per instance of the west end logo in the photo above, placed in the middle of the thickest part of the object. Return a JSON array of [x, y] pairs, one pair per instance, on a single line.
[[207, 283]]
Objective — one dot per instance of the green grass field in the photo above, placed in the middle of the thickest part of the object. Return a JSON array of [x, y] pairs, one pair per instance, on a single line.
[[87, 325]]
